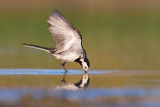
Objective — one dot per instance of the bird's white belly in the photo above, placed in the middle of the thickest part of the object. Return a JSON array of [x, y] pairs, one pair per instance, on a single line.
[[67, 87], [70, 57]]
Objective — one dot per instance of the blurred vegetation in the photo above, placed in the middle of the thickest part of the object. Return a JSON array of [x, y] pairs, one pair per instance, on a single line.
[[116, 34]]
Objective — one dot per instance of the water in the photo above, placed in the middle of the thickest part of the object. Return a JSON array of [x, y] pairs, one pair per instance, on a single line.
[[38, 87], [48, 71]]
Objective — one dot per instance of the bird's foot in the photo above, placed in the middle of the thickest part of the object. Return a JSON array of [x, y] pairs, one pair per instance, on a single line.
[[63, 81], [66, 71]]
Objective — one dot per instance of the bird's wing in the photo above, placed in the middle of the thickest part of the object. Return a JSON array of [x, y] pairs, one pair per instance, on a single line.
[[64, 33]]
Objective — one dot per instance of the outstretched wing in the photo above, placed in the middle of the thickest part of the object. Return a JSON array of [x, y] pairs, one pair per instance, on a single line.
[[64, 33]]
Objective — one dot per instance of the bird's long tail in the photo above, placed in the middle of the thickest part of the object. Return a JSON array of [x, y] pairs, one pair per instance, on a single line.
[[49, 50]]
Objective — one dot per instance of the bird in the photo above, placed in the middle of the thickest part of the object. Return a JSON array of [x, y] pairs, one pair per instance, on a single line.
[[68, 40], [82, 84]]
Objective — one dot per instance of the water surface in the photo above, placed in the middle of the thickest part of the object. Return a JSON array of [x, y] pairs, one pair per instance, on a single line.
[[37, 87]]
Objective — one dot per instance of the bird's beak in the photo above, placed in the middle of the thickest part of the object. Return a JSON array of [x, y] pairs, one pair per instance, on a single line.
[[85, 71]]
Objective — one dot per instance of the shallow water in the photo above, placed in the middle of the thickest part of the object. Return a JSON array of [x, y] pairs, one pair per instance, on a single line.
[[38, 87]]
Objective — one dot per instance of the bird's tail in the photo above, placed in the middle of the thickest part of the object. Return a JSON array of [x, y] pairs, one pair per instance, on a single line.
[[49, 50]]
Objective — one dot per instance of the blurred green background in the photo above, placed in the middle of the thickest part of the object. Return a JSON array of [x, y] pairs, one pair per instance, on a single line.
[[117, 34]]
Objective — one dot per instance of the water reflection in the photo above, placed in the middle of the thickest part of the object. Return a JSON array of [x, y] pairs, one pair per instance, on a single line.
[[38, 87], [82, 84]]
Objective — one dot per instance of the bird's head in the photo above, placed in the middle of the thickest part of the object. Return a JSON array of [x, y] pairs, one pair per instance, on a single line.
[[84, 82], [85, 64]]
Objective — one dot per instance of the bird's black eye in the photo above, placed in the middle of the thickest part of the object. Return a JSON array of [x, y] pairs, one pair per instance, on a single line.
[[85, 67]]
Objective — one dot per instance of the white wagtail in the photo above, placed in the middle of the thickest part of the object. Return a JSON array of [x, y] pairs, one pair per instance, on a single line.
[[68, 41], [82, 84]]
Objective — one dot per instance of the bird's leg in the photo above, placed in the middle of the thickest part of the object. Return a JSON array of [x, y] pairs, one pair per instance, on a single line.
[[63, 80], [63, 64]]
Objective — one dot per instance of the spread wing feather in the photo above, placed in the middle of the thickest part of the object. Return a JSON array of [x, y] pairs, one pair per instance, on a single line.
[[64, 33]]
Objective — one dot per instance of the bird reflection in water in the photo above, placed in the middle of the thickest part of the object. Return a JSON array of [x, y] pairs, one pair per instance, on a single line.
[[82, 84]]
